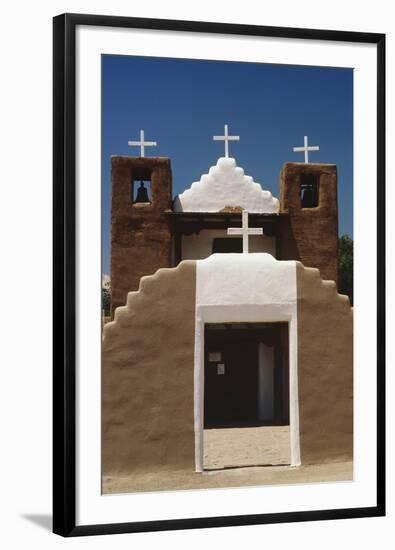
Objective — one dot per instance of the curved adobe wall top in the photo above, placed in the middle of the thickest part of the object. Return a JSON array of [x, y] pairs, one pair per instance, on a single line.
[[148, 361]]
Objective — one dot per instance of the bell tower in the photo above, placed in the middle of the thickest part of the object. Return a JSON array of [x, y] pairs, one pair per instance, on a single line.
[[140, 232], [309, 230]]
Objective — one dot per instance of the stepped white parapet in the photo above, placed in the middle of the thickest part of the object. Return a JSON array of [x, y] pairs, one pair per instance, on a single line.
[[226, 185]]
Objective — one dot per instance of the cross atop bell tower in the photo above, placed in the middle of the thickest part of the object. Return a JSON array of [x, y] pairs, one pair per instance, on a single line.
[[306, 149], [142, 144]]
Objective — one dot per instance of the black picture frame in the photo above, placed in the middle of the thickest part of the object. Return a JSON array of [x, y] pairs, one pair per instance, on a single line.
[[64, 269]]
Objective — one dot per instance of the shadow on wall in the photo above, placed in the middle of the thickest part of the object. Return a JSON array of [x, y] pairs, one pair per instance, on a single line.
[[42, 520]]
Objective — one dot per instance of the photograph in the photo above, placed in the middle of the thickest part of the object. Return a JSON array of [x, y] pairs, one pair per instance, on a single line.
[[200, 235], [227, 216]]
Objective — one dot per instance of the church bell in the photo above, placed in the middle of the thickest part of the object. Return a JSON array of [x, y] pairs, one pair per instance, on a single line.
[[142, 193]]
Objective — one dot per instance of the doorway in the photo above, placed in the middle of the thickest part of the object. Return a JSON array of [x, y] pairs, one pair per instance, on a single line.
[[246, 394]]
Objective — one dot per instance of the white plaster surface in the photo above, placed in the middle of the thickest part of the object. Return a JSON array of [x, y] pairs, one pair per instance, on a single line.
[[245, 288], [245, 279], [226, 185], [200, 245]]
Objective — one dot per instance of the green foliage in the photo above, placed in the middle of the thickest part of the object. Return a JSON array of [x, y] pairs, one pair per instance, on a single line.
[[106, 298], [346, 267]]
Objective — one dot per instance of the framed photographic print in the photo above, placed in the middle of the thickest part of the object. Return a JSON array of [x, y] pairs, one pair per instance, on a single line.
[[218, 274]]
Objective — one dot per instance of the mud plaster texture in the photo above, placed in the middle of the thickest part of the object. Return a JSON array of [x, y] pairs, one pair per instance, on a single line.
[[325, 369], [140, 233], [148, 377], [309, 235]]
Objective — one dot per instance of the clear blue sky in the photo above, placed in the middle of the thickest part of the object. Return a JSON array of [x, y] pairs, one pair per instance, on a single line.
[[181, 104]]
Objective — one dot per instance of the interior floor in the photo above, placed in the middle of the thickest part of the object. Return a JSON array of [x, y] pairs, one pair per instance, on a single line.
[[238, 447]]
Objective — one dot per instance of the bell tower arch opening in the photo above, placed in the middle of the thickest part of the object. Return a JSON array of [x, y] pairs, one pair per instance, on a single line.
[[309, 190]]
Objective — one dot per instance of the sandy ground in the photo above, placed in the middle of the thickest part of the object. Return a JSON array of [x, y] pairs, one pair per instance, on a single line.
[[232, 461], [261, 446], [233, 477]]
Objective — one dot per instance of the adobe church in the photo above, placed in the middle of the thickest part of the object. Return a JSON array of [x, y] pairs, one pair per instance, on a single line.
[[226, 318]]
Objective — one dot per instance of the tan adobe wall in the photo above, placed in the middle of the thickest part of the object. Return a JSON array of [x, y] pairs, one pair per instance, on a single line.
[[148, 376], [325, 369]]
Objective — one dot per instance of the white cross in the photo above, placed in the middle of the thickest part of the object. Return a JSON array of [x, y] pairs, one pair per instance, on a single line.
[[142, 143], [306, 149], [245, 231], [226, 138]]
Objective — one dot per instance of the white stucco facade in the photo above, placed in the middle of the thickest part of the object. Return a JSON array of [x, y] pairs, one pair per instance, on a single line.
[[243, 288], [226, 185]]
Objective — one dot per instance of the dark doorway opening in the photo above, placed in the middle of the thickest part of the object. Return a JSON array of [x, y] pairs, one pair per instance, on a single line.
[[246, 375], [228, 245], [309, 191]]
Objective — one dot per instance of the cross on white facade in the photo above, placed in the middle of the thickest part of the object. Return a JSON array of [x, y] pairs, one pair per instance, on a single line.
[[142, 143], [226, 138], [245, 231], [305, 149]]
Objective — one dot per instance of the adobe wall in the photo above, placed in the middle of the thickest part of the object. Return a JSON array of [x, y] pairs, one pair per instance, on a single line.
[[309, 235], [140, 233], [148, 376], [149, 358], [325, 369]]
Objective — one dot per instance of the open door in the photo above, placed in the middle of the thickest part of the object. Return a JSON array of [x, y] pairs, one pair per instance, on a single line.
[[246, 387]]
